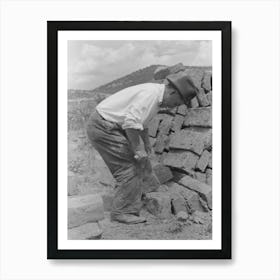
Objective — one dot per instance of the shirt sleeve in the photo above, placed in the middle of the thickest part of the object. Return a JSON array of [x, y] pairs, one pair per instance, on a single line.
[[139, 109]]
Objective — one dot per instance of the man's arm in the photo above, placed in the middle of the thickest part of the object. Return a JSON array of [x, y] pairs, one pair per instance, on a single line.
[[145, 137], [133, 136], [140, 155]]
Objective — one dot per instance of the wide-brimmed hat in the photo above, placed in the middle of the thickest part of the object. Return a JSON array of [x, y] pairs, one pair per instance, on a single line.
[[184, 85]]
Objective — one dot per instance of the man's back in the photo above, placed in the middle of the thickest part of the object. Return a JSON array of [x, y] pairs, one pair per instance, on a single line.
[[133, 107]]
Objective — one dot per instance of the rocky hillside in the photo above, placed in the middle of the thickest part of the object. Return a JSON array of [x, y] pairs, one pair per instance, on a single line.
[[138, 77], [144, 75]]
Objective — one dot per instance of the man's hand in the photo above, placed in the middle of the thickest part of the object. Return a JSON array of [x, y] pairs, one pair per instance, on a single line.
[[144, 164], [139, 155]]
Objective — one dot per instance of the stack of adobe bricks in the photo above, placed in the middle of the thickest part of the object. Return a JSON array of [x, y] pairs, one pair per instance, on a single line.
[[182, 137]]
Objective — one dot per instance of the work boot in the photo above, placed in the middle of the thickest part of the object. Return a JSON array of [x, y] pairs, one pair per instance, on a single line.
[[127, 218]]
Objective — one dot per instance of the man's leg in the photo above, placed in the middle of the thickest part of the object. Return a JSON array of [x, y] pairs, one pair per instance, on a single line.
[[115, 150]]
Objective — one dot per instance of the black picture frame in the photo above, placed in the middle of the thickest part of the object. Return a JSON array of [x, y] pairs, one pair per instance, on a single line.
[[52, 138]]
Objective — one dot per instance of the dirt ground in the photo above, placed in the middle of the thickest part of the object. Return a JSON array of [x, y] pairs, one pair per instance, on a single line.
[[89, 174], [157, 229]]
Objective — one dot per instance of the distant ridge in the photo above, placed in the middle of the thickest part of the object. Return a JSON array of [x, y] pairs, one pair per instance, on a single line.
[[143, 75], [140, 76]]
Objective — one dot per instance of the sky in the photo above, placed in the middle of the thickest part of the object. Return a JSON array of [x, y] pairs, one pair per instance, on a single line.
[[95, 63]]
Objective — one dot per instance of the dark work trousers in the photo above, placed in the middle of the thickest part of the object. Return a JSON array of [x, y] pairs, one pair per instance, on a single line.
[[110, 140]]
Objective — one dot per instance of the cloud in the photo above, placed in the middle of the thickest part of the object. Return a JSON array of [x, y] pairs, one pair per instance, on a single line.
[[93, 63]]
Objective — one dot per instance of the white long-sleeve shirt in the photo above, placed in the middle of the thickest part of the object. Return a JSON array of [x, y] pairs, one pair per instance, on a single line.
[[133, 107]]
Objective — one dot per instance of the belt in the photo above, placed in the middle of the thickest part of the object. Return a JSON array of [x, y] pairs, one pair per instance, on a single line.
[[117, 125]]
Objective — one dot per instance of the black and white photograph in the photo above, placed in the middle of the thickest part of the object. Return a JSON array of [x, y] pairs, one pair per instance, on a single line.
[[139, 146], [140, 139]]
